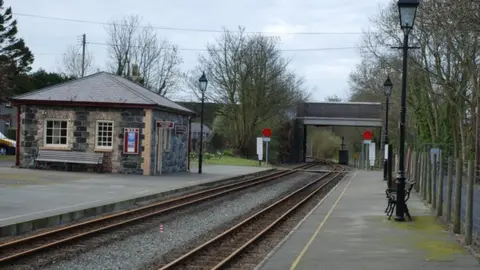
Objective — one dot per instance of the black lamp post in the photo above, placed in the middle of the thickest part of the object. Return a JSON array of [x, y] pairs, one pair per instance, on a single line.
[[407, 11], [387, 89], [202, 83]]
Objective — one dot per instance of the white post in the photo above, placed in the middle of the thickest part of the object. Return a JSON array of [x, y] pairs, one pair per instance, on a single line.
[[260, 150]]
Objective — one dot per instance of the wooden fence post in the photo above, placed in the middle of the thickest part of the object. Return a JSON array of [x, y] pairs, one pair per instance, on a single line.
[[434, 182], [412, 165], [469, 206], [458, 195], [440, 186], [417, 170], [448, 201], [424, 176], [429, 179]]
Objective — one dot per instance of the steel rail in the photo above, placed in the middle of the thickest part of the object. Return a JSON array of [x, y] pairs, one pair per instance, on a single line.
[[225, 235], [29, 245]]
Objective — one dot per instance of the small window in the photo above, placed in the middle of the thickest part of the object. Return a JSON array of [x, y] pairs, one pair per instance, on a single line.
[[56, 132], [167, 139], [7, 123], [8, 105], [104, 134]]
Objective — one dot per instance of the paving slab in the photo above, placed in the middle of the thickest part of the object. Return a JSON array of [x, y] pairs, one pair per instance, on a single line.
[[32, 194], [349, 230]]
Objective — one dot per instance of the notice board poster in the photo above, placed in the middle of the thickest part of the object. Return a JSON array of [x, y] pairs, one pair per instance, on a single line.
[[130, 141]]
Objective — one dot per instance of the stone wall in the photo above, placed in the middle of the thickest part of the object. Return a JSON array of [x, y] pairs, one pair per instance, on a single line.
[[132, 118], [81, 133], [176, 159]]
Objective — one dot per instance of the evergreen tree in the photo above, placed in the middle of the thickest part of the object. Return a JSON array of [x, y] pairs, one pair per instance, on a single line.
[[15, 56]]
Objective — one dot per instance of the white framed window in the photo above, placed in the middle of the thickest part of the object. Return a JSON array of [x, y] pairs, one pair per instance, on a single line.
[[8, 104], [167, 139], [56, 132], [7, 123], [104, 134]]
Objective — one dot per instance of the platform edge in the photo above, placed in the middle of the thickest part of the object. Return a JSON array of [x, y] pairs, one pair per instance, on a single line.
[[67, 217], [279, 245]]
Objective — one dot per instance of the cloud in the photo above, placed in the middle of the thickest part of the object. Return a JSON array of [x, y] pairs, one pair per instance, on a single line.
[[327, 70]]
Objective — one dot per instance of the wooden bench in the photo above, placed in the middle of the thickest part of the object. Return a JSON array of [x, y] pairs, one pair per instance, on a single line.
[[67, 157], [391, 194]]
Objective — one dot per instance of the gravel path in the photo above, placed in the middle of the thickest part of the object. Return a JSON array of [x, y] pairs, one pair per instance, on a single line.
[[134, 247]]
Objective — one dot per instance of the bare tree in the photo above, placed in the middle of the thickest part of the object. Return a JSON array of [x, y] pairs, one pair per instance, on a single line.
[[333, 98], [248, 74], [166, 71], [121, 40], [146, 53], [443, 77], [157, 59], [72, 62]]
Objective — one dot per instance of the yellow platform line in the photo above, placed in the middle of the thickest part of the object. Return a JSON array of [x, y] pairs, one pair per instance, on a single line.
[[305, 248]]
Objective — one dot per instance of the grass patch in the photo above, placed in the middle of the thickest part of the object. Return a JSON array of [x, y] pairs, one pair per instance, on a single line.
[[226, 160], [426, 234], [7, 158]]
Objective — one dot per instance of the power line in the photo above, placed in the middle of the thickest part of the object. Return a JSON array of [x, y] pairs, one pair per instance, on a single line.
[[185, 29], [283, 50]]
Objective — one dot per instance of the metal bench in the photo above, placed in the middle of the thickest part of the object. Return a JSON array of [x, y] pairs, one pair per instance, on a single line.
[[67, 157], [391, 194]]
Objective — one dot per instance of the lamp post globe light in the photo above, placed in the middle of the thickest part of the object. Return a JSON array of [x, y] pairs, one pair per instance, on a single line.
[[407, 12], [202, 84], [387, 89]]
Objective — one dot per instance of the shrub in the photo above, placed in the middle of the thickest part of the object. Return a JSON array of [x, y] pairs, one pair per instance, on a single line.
[[228, 153], [11, 133]]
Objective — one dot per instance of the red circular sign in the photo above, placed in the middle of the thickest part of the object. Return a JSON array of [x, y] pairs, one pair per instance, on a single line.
[[367, 135], [267, 132]]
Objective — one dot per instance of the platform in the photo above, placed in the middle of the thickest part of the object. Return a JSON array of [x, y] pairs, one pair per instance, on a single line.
[[27, 195], [349, 230]]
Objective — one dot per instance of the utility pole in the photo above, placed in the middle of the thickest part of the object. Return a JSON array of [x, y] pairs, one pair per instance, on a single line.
[[84, 43]]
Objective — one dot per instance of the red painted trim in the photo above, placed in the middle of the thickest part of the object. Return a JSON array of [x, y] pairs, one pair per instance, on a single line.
[[96, 104], [125, 140], [17, 147]]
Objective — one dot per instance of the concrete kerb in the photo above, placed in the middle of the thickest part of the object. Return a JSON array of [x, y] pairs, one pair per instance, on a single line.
[[110, 208]]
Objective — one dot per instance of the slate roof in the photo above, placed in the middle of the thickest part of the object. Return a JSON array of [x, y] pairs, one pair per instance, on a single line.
[[102, 87]]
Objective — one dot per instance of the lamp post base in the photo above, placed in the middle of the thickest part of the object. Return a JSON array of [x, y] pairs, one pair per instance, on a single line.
[[385, 170]]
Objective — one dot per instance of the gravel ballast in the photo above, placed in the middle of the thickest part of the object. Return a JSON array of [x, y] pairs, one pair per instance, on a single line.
[[133, 247]]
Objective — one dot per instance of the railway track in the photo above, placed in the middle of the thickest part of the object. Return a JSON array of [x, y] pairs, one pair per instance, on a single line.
[[18, 249], [223, 250]]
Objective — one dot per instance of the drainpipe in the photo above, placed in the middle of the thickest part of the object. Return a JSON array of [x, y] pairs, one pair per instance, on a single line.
[[189, 141]]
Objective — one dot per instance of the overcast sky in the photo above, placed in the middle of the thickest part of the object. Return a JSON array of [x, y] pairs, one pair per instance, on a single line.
[[325, 71]]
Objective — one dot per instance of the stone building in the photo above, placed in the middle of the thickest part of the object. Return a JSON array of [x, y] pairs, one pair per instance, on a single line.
[[95, 114]]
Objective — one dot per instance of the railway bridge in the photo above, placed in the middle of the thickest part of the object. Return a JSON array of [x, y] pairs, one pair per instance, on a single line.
[[353, 114]]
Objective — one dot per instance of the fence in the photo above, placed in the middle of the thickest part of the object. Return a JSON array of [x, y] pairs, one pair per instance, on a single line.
[[447, 185]]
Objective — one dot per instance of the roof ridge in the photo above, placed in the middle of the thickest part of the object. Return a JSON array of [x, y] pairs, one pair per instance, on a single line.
[[56, 85], [114, 77]]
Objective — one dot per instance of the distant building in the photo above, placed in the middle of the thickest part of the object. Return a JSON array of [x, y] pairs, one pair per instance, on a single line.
[[195, 129], [8, 118], [195, 135]]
